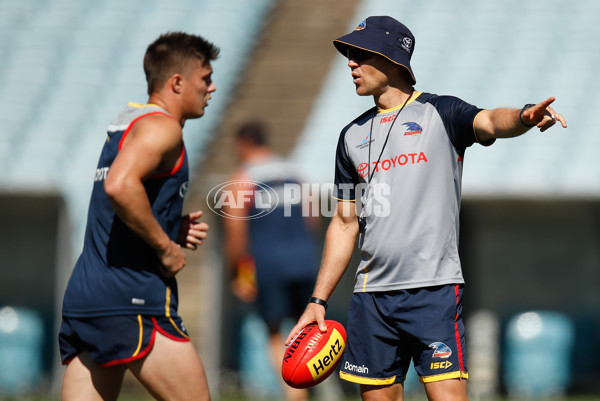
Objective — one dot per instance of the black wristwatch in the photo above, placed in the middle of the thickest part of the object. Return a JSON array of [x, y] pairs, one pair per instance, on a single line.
[[319, 301], [528, 105]]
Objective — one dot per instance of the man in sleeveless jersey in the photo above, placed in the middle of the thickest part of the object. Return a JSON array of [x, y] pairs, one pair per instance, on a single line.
[[398, 180], [273, 258], [120, 305]]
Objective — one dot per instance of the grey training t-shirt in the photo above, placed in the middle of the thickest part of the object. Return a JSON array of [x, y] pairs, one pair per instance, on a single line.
[[410, 235]]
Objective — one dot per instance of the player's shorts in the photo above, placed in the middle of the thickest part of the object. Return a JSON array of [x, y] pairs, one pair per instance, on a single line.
[[114, 340], [388, 329], [278, 299]]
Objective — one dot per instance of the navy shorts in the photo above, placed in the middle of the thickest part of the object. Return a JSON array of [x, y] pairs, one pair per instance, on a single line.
[[280, 299], [114, 340], [388, 329]]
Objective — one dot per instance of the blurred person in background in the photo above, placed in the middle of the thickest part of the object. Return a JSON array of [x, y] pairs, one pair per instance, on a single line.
[[272, 258], [120, 305], [398, 180]]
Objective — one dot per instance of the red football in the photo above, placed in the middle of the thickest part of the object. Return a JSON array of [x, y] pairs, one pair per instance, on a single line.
[[312, 355]]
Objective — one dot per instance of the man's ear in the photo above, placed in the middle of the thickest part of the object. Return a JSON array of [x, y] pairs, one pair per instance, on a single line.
[[176, 83]]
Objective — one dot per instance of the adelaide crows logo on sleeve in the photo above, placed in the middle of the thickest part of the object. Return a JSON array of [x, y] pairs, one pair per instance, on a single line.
[[412, 128], [361, 26]]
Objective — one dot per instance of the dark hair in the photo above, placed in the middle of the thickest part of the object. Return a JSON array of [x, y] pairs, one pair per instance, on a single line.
[[170, 54], [254, 131]]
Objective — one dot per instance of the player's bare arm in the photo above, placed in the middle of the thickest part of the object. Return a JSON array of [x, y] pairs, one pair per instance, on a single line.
[[153, 146], [236, 240], [339, 245], [509, 123]]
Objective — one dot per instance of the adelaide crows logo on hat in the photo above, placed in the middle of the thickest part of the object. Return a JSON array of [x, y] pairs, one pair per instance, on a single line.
[[440, 350], [361, 26], [407, 43], [413, 128]]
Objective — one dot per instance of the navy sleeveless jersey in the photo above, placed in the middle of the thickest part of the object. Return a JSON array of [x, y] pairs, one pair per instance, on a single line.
[[280, 242], [117, 272]]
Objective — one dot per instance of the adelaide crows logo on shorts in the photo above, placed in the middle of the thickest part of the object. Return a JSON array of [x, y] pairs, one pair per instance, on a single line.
[[413, 128], [440, 350]]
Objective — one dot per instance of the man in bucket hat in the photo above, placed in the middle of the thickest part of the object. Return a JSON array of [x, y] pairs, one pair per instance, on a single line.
[[398, 182]]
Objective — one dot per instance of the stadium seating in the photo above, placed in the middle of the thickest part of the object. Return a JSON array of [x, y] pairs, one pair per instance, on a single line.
[[68, 67], [21, 337], [491, 54], [538, 354]]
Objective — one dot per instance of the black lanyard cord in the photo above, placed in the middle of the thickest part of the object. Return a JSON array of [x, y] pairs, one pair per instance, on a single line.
[[370, 177]]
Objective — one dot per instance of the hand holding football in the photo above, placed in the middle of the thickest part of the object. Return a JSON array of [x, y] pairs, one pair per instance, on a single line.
[[312, 355]]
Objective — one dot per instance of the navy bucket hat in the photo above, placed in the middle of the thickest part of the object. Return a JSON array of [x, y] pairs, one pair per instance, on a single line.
[[382, 35]]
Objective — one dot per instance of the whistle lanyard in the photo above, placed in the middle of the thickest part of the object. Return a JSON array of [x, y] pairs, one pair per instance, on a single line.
[[370, 177], [362, 219]]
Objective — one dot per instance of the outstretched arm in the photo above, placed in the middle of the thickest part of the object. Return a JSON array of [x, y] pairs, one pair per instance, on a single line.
[[509, 123], [339, 245]]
